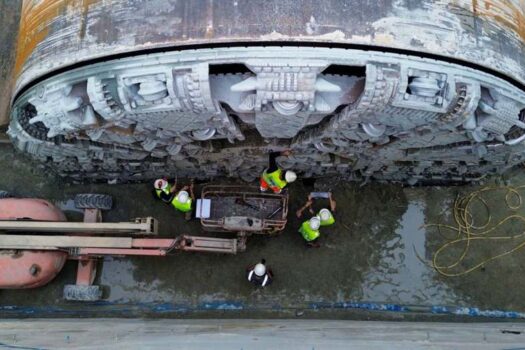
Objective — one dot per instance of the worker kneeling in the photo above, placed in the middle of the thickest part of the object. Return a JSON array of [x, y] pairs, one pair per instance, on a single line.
[[272, 177], [310, 228], [182, 200], [259, 274]]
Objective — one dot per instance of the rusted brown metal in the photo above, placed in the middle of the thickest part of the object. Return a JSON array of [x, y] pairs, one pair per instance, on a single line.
[[244, 209]]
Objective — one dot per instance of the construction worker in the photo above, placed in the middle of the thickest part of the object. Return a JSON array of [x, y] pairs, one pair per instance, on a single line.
[[163, 190], [310, 231], [272, 176], [326, 217], [310, 228], [259, 274], [181, 200]]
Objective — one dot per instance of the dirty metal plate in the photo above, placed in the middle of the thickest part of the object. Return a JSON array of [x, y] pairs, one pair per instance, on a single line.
[[242, 223]]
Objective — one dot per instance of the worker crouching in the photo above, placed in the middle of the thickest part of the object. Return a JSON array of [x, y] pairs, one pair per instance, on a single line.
[[272, 177], [310, 229], [326, 216], [259, 274], [181, 200]]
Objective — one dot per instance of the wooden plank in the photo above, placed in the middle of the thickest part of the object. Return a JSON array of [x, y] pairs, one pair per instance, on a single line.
[[49, 242]]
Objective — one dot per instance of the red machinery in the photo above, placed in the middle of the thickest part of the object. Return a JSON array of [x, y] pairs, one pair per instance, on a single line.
[[36, 239]]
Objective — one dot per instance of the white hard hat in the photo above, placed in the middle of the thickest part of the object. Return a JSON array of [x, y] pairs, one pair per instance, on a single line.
[[290, 176], [183, 196], [315, 223], [259, 269], [161, 184], [325, 214]]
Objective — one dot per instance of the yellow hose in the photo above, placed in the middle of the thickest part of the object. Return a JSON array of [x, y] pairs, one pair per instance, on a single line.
[[467, 232]]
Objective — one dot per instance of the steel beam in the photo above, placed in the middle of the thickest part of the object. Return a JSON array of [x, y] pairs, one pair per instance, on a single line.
[[141, 226]]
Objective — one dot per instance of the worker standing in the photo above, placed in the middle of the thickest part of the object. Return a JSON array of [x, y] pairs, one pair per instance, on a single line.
[[181, 200], [310, 228], [163, 190], [259, 274], [310, 231], [272, 177]]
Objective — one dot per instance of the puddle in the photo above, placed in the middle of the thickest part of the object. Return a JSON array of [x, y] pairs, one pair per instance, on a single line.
[[401, 275], [117, 279]]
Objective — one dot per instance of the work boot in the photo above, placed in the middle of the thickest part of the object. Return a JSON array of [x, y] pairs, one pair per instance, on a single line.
[[313, 245], [187, 216]]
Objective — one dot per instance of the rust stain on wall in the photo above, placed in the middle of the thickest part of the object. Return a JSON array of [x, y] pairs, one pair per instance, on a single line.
[[36, 17], [85, 10], [506, 14]]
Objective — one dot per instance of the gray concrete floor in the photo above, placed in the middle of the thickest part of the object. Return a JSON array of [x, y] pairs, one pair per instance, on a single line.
[[374, 253], [255, 334]]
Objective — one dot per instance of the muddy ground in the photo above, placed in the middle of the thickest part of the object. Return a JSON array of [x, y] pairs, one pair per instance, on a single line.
[[377, 252]]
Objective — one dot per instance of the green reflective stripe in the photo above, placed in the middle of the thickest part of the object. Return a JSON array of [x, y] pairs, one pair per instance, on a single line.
[[274, 179], [330, 221], [183, 207], [167, 190], [307, 232]]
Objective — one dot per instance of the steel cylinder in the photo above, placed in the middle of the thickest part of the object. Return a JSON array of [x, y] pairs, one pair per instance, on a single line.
[[120, 89]]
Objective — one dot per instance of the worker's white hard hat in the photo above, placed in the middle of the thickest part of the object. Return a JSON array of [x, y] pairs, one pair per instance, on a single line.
[[315, 223], [325, 214], [183, 196], [290, 176], [259, 269], [161, 184]]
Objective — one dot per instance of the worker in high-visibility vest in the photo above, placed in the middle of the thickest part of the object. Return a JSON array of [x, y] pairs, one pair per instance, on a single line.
[[310, 231], [272, 177], [164, 190], [310, 228], [326, 217], [181, 200]]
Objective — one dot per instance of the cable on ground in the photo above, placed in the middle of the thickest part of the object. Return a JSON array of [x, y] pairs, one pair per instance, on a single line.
[[466, 231]]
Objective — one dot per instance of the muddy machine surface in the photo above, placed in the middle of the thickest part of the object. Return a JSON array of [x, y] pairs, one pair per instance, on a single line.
[[401, 91], [36, 240]]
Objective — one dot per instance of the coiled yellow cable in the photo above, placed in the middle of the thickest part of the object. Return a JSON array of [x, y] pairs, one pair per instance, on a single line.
[[466, 231]]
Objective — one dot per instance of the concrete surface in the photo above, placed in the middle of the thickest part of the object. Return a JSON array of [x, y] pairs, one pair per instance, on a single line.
[[252, 334]]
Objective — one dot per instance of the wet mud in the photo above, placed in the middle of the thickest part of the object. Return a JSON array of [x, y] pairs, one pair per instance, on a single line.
[[378, 251]]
